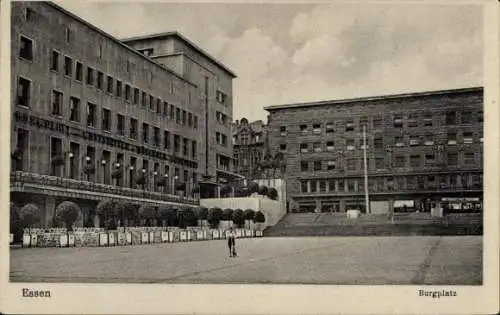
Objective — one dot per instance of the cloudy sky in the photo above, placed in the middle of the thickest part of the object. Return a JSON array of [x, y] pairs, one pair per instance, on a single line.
[[285, 53]]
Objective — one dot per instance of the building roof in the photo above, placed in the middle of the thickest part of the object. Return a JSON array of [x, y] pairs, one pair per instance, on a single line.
[[374, 98], [183, 39], [117, 41]]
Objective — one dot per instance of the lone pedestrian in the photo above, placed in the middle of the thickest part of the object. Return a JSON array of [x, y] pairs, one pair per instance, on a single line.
[[231, 242]]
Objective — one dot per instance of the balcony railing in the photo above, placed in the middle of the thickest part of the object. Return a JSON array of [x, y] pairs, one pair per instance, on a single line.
[[21, 178]]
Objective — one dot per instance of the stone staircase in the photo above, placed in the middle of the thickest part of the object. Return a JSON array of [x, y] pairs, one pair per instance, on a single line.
[[337, 224]]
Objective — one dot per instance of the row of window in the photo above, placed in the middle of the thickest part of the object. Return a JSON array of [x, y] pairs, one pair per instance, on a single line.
[[381, 184], [93, 77], [106, 163], [380, 142], [398, 161], [413, 120]]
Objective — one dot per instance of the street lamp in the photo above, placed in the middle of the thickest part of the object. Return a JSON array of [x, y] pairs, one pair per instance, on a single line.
[[103, 162], [175, 183], [155, 173], [165, 189]]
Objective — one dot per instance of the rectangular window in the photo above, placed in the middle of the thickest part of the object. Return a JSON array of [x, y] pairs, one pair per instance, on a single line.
[[377, 123], [314, 186], [166, 140], [110, 85], [351, 164], [151, 103], [184, 117], [282, 147], [136, 96], [430, 159], [79, 71], [54, 61], [330, 146], [282, 131], [304, 166], [68, 66], [399, 141], [145, 133], [363, 121], [74, 104], [127, 92], [378, 142], [414, 141], [452, 158], [468, 137], [90, 76], [466, 117], [398, 121], [68, 35], [429, 139], [120, 124], [185, 144], [55, 153], [100, 80], [172, 112], [26, 48], [118, 88], [412, 120], [379, 163], [190, 120], [317, 147], [156, 136], [469, 158], [304, 148], [322, 186], [450, 118], [329, 128], [91, 111], [57, 99], [106, 119], [165, 109], [415, 160], [428, 119], [23, 92], [317, 129], [331, 165], [350, 144], [158, 106], [133, 128], [177, 143], [303, 130], [195, 122], [194, 151], [452, 138], [349, 125], [317, 165], [399, 161], [178, 117], [303, 186]]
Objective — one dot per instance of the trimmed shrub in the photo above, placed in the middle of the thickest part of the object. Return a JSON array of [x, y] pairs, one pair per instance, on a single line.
[[125, 211], [202, 213], [16, 225], [226, 189], [262, 190], [148, 213], [238, 218], [253, 187], [67, 212], [272, 193], [249, 214], [214, 216], [260, 217], [227, 214], [169, 215], [187, 217], [29, 215]]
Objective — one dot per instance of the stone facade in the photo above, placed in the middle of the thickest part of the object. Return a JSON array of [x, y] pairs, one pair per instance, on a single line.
[[88, 108], [421, 147], [250, 146]]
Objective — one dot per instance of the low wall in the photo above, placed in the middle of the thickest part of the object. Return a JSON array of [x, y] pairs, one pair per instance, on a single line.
[[127, 236], [273, 210]]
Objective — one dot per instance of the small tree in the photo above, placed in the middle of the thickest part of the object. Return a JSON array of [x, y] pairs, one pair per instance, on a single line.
[[253, 187], [67, 212], [148, 213], [106, 210], [187, 217], [214, 216], [29, 215], [262, 190], [202, 213], [238, 218], [169, 215], [249, 214], [272, 193], [16, 225], [227, 214], [260, 217]]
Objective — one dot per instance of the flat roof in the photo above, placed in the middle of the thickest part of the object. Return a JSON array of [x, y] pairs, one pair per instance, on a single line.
[[116, 40], [373, 98], [184, 40]]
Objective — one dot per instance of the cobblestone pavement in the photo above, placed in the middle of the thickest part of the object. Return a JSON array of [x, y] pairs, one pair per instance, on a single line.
[[306, 260]]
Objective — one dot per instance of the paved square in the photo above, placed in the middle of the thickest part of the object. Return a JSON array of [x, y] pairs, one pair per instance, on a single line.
[[305, 260]]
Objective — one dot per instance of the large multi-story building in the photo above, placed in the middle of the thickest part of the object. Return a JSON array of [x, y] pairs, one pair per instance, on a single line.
[[96, 117], [421, 148], [250, 147]]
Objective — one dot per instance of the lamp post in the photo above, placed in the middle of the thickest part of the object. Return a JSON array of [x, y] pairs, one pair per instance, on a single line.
[[117, 166], [155, 173], [165, 188], [144, 180], [70, 156], [175, 183], [103, 162], [130, 175], [87, 162]]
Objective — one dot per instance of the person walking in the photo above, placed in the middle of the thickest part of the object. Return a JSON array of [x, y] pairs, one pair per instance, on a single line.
[[231, 242]]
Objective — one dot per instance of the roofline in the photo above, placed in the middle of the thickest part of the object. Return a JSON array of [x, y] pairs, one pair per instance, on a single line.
[[373, 98], [100, 31], [185, 40]]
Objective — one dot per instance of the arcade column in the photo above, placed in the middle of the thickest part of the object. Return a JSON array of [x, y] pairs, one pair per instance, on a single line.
[[342, 207], [49, 211]]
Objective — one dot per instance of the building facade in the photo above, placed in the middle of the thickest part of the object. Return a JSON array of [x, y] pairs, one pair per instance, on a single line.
[[94, 117], [421, 148], [249, 145]]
